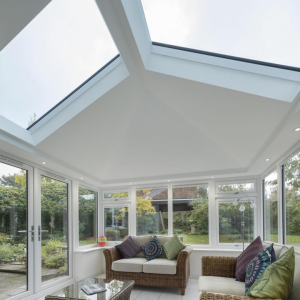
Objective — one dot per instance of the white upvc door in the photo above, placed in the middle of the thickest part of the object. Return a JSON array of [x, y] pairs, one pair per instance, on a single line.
[[21, 285], [52, 218]]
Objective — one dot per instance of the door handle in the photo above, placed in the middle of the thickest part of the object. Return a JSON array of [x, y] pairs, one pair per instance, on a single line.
[[40, 231], [32, 232]]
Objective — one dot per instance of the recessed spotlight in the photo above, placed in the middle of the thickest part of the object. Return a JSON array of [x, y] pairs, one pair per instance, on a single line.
[[267, 159], [169, 180], [130, 183], [81, 178], [44, 163], [212, 177], [297, 129]]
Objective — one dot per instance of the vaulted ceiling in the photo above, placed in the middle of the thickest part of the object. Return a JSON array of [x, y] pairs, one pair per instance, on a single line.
[[155, 126]]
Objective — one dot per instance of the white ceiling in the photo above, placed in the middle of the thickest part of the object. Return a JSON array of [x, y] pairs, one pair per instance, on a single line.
[[15, 15], [153, 126], [171, 127]]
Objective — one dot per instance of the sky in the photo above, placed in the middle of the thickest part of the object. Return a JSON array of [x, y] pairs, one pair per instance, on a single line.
[[7, 169], [267, 30], [55, 53]]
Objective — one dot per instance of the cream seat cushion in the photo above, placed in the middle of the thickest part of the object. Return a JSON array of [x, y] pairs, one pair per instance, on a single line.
[[160, 266], [221, 285], [134, 264]]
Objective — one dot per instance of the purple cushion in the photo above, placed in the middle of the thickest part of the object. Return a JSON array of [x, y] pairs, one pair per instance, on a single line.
[[129, 248], [246, 257]]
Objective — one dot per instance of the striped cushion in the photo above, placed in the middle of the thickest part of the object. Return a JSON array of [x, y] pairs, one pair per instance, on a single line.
[[245, 258]]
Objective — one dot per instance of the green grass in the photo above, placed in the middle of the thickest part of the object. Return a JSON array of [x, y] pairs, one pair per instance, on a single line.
[[203, 239], [86, 242]]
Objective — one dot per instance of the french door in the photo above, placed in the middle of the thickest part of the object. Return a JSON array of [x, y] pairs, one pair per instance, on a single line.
[[53, 245], [35, 230], [17, 230]]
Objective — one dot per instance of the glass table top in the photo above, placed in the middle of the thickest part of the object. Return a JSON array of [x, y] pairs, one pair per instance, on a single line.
[[74, 291]]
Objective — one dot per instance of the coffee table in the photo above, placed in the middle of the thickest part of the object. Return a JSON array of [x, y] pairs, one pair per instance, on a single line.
[[116, 290]]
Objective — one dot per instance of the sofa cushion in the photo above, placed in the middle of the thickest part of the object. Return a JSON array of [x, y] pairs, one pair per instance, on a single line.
[[221, 285], [276, 281], [277, 248], [163, 239], [129, 248], [141, 240], [258, 265], [296, 287], [152, 249], [160, 266], [244, 259], [134, 264], [173, 247]]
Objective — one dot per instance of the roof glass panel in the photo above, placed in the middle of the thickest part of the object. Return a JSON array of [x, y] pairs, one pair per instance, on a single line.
[[265, 31], [56, 52]]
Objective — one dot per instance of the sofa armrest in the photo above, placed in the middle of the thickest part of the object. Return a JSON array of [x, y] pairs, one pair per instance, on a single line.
[[219, 266], [213, 296], [183, 261], [111, 255]]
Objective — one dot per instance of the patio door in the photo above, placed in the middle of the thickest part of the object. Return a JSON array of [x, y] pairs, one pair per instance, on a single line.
[[53, 244], [17, 229]]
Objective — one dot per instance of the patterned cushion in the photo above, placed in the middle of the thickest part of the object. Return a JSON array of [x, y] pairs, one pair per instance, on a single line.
[[245, 258], [152, 249], [258, 265]]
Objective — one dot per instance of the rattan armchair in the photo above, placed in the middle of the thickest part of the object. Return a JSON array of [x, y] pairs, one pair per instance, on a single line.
[[221, 267], [179, 280]]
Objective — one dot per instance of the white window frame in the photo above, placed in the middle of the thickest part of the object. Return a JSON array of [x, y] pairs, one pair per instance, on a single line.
[[240, 181], [230, 200], [210, 209], [117, 190], [76, 235], [116, 205], [169, 200]]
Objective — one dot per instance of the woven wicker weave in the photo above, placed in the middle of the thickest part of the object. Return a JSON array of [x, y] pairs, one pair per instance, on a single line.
[[212, 296], [179, 280], [221, 267]]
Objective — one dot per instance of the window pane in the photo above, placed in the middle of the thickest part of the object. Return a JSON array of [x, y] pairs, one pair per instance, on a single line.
[[292, 200], [54, 229], [47, 54], [13, 230], [247, 29], [116, 223], [235, 187], [230, 223], [116, 195], [152, 211], [271, 208], [190, 213], [87, 216]]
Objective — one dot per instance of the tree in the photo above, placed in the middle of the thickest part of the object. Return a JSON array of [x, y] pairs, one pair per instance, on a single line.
[[145, 213], [9, 181], [32, 119]]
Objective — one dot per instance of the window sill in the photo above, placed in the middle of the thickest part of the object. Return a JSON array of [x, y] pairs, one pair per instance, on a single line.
[[92, 249]]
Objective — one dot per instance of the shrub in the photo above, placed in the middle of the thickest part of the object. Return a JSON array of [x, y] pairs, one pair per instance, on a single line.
[[112, 234], [51, 246], [177, 231], [55, 261], [63, 270]]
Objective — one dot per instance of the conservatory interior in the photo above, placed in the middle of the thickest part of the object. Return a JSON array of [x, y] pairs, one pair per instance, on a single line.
[[145, 118]]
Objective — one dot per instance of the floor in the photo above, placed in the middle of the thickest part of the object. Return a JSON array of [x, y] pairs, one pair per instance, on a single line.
[[153, 293]]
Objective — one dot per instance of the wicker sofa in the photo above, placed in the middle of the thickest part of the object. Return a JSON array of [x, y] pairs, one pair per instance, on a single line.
[[159, 272], [218, 277]]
